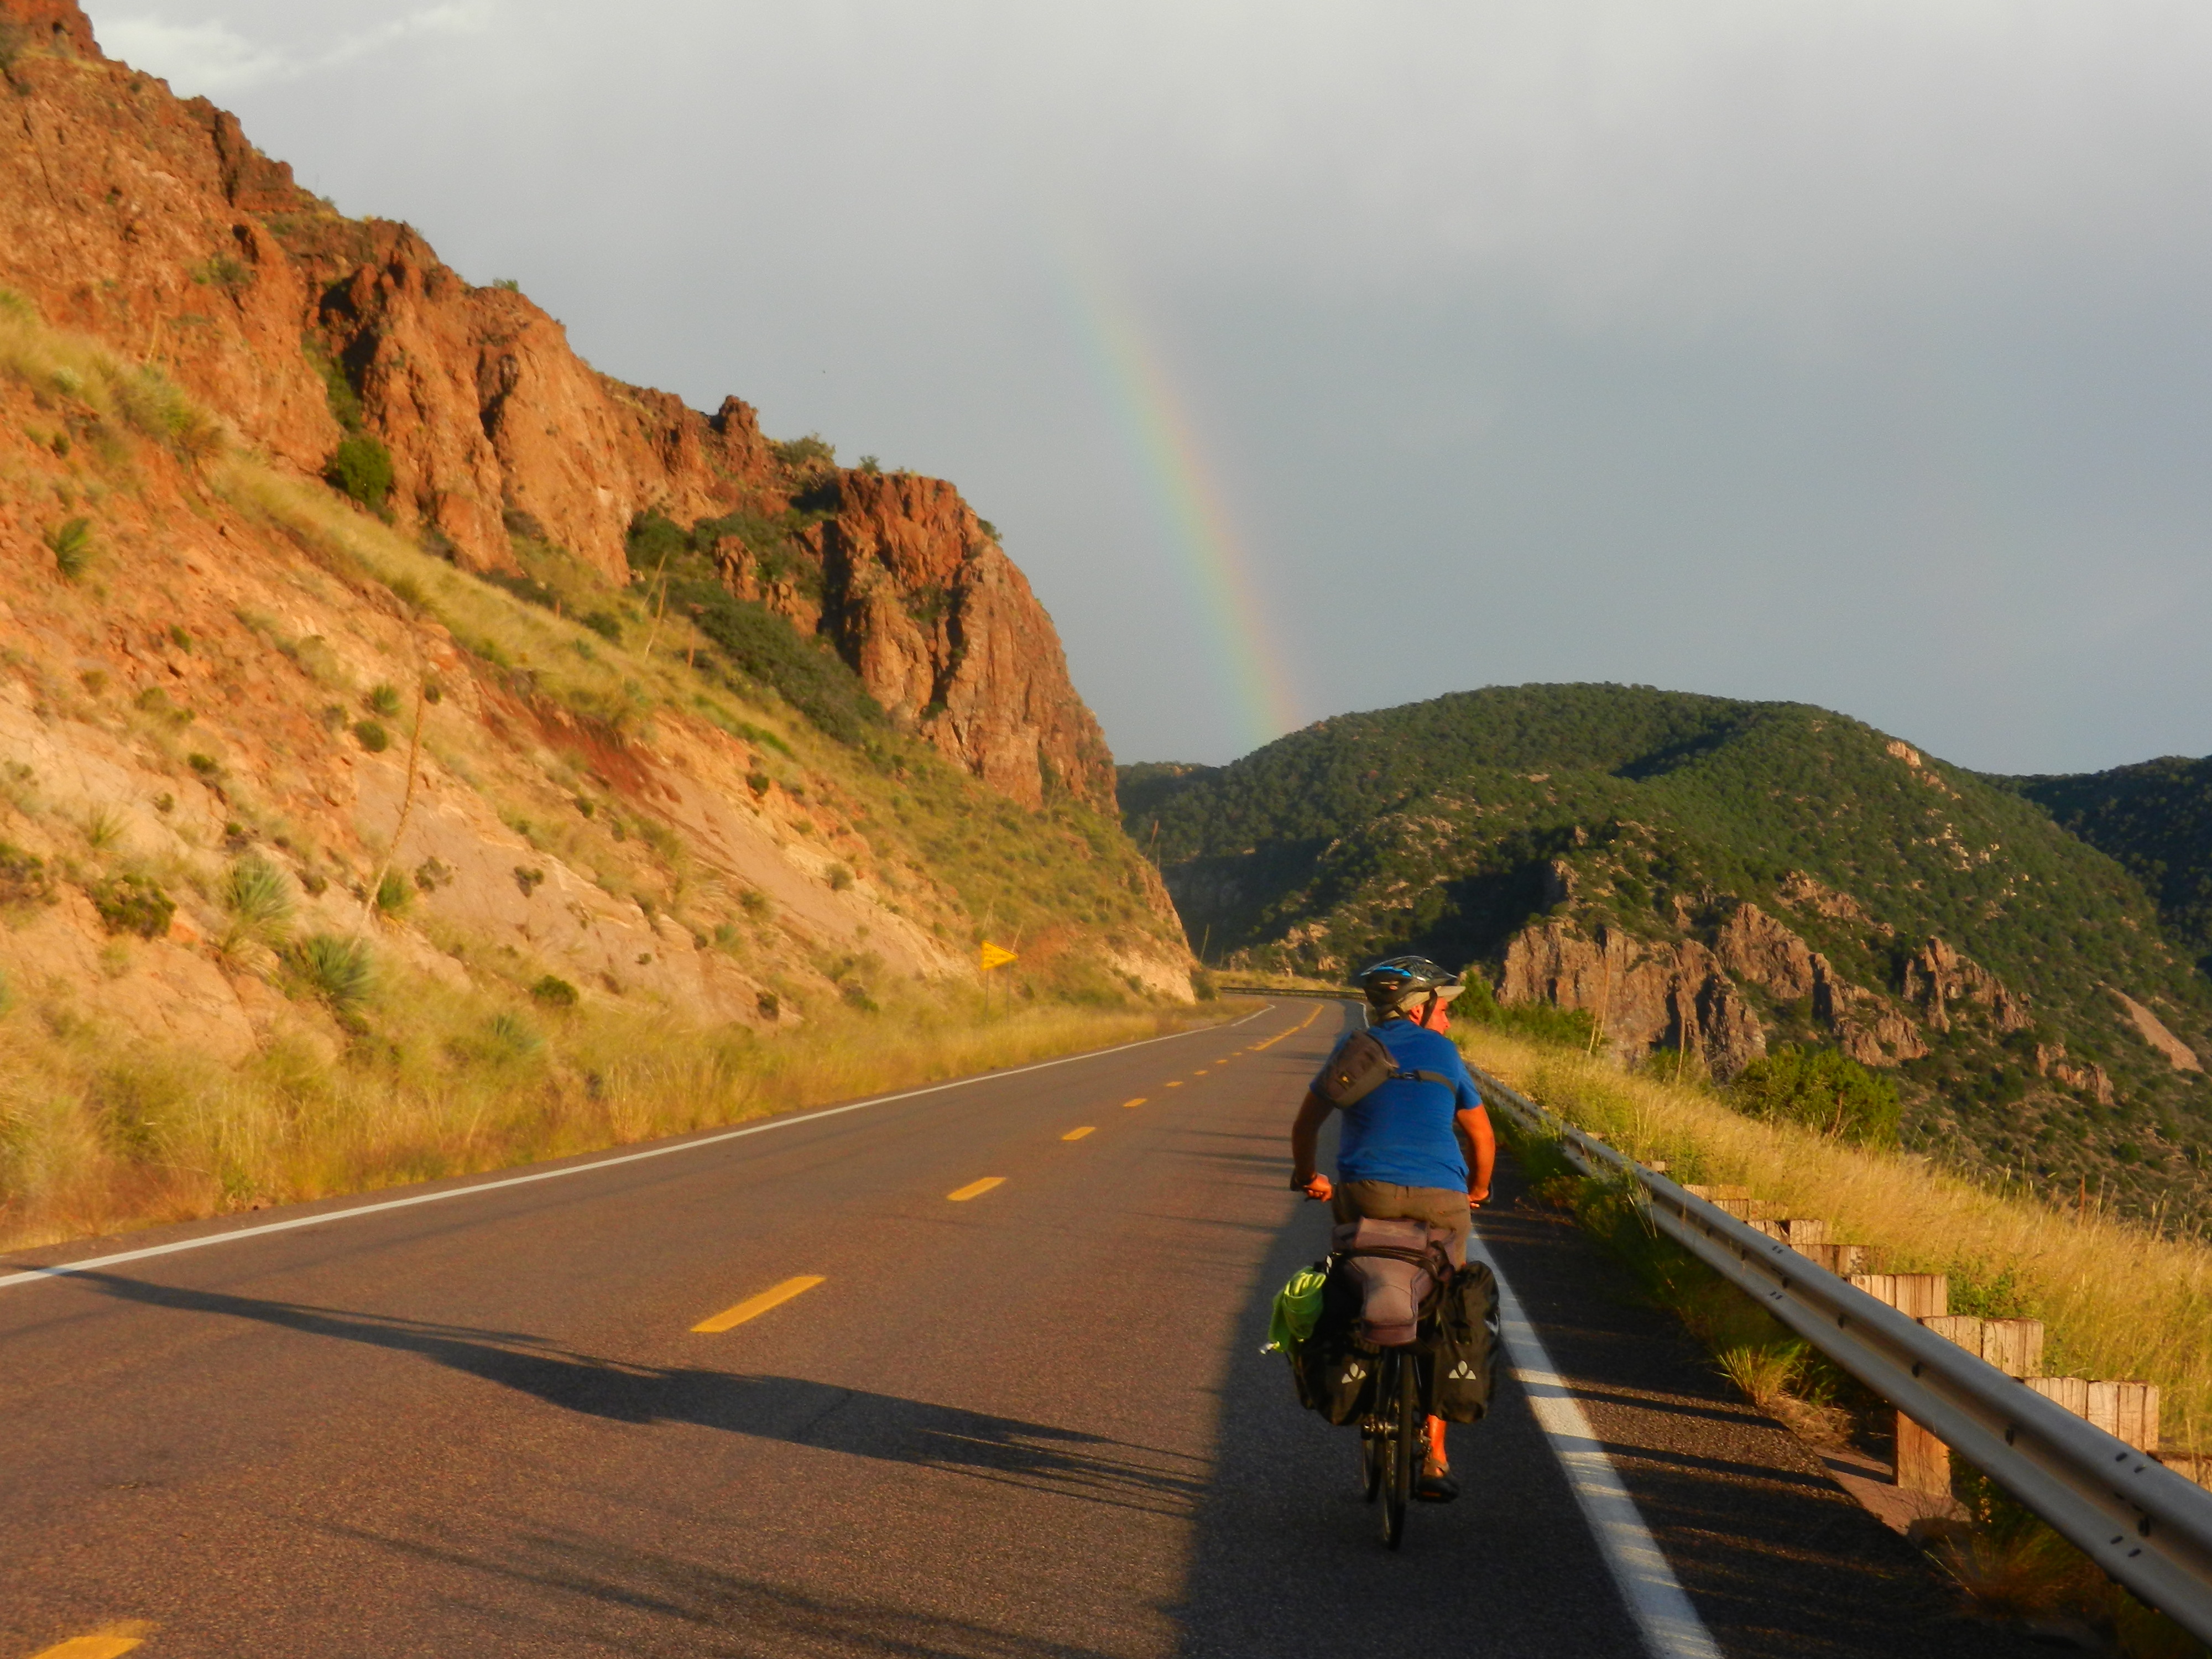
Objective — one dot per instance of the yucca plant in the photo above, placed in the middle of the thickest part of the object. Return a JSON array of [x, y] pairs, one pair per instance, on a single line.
[[71, 545], [338, 971], [258, 897]]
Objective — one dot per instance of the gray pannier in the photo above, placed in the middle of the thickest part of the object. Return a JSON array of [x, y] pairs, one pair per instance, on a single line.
[[1398, 1266]]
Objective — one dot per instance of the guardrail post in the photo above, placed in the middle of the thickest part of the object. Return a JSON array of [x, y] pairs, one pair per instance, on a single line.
[[2015, 1346], [2126, 1411], [1844, 1261], [1924, 1462], [1800, 1233], [1916, 1295]]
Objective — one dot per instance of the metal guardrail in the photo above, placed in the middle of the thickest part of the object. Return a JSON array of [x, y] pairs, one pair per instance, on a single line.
[[1278, 991], [2139, 1520]]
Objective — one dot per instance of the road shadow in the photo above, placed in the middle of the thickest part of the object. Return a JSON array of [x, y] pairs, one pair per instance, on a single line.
[[1287, 1560], [566, 1581], [1087, 1468]]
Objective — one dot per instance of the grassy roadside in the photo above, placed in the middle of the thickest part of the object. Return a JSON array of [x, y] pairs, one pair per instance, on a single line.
[[2117, 1299], [436, 1085]]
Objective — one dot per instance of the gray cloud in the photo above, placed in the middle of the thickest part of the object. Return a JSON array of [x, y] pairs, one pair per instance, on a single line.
[[1847, 353]]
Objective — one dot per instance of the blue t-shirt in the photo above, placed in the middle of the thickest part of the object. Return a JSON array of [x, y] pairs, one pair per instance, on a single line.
[[1403, 1133]]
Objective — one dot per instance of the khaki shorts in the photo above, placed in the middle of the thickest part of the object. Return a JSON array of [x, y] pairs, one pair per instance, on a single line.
[[1383, 1200]]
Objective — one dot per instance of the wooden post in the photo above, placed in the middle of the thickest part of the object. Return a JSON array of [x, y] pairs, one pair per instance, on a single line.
[[1916, 1295], [1924, 1462], [2015, 1346], [2127, 1411], [1964, 1329]]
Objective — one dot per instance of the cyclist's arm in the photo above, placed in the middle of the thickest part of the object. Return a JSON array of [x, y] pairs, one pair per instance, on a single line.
[[1481, 1145], [1305, 1134]]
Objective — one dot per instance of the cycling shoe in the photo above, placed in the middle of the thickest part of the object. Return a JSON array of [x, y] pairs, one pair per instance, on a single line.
[[1436, 1488]]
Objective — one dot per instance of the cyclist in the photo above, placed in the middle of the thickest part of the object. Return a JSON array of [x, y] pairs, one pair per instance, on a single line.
[[1410, 1150]]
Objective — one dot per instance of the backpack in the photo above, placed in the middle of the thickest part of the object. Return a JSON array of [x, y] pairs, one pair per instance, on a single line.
[[1465, 1357], [1360, 1066]]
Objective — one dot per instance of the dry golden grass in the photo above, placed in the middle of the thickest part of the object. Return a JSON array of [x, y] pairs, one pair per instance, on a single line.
[[92, 1141], [2118, 1300]]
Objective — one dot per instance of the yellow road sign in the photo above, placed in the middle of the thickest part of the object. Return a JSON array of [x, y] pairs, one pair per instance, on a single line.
[[996, 956]]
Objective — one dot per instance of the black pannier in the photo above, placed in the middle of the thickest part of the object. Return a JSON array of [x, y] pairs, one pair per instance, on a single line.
[[1465, 1357]]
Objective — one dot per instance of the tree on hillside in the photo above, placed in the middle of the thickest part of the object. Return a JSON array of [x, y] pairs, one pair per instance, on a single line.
[[1821, 1087]]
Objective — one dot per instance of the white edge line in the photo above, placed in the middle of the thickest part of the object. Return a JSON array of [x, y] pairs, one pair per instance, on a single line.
[[267, 1227], [1654, 1597]]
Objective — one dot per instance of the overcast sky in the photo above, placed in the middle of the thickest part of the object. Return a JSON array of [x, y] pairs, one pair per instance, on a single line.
[[1851, 353]]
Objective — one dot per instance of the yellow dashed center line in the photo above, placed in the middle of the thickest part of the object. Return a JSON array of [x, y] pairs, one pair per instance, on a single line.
[[1200, 1072], [1077, 1135], [101, 1644], [1139, 1101], [977, 1188], [1178, 1083], [753, 1306]]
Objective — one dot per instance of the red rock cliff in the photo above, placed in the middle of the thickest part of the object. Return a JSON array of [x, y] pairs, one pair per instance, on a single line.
[[152, 223]]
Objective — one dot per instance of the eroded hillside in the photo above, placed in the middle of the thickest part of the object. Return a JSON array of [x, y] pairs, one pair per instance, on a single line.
[[354, 633], [1707, 879]]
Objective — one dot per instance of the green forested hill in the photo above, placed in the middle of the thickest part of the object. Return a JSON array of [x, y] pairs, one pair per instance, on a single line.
[[1451, 826], [2156, 819]]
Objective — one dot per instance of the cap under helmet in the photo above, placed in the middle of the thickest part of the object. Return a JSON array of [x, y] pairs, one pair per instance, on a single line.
[[1396, 981]]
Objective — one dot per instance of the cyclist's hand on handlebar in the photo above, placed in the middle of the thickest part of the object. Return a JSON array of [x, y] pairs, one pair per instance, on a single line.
[[1475, 1200], [1317, 1189]]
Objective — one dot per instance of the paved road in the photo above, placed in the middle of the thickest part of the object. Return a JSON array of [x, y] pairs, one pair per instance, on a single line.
[[1032, 1422]]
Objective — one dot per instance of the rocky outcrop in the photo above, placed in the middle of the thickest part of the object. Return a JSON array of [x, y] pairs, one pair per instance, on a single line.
[[945, 634], [1938, 980], [153, 223], [1644, 996], [2051, 1061], [489, 414], [1755, 946], [1685, 996]]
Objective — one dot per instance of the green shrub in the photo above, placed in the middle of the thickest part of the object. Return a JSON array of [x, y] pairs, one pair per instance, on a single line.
[[337, 971], [392, 893], [810, 453], [224, 272], [337, 391], [24, 878], [841, 879], [372, 736], [506, 284], [1822, 1088], [71, 545], [384, 700], [360, 466], [554, 993], [132, 904]]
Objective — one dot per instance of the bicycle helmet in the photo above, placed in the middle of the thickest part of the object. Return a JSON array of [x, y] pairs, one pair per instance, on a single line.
[[1392, 983]]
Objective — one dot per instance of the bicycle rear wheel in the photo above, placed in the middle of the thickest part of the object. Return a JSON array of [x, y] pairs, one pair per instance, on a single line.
[[1398, 1402]]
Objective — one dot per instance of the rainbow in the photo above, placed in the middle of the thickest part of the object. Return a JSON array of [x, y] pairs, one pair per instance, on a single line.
[[1154, 423]]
